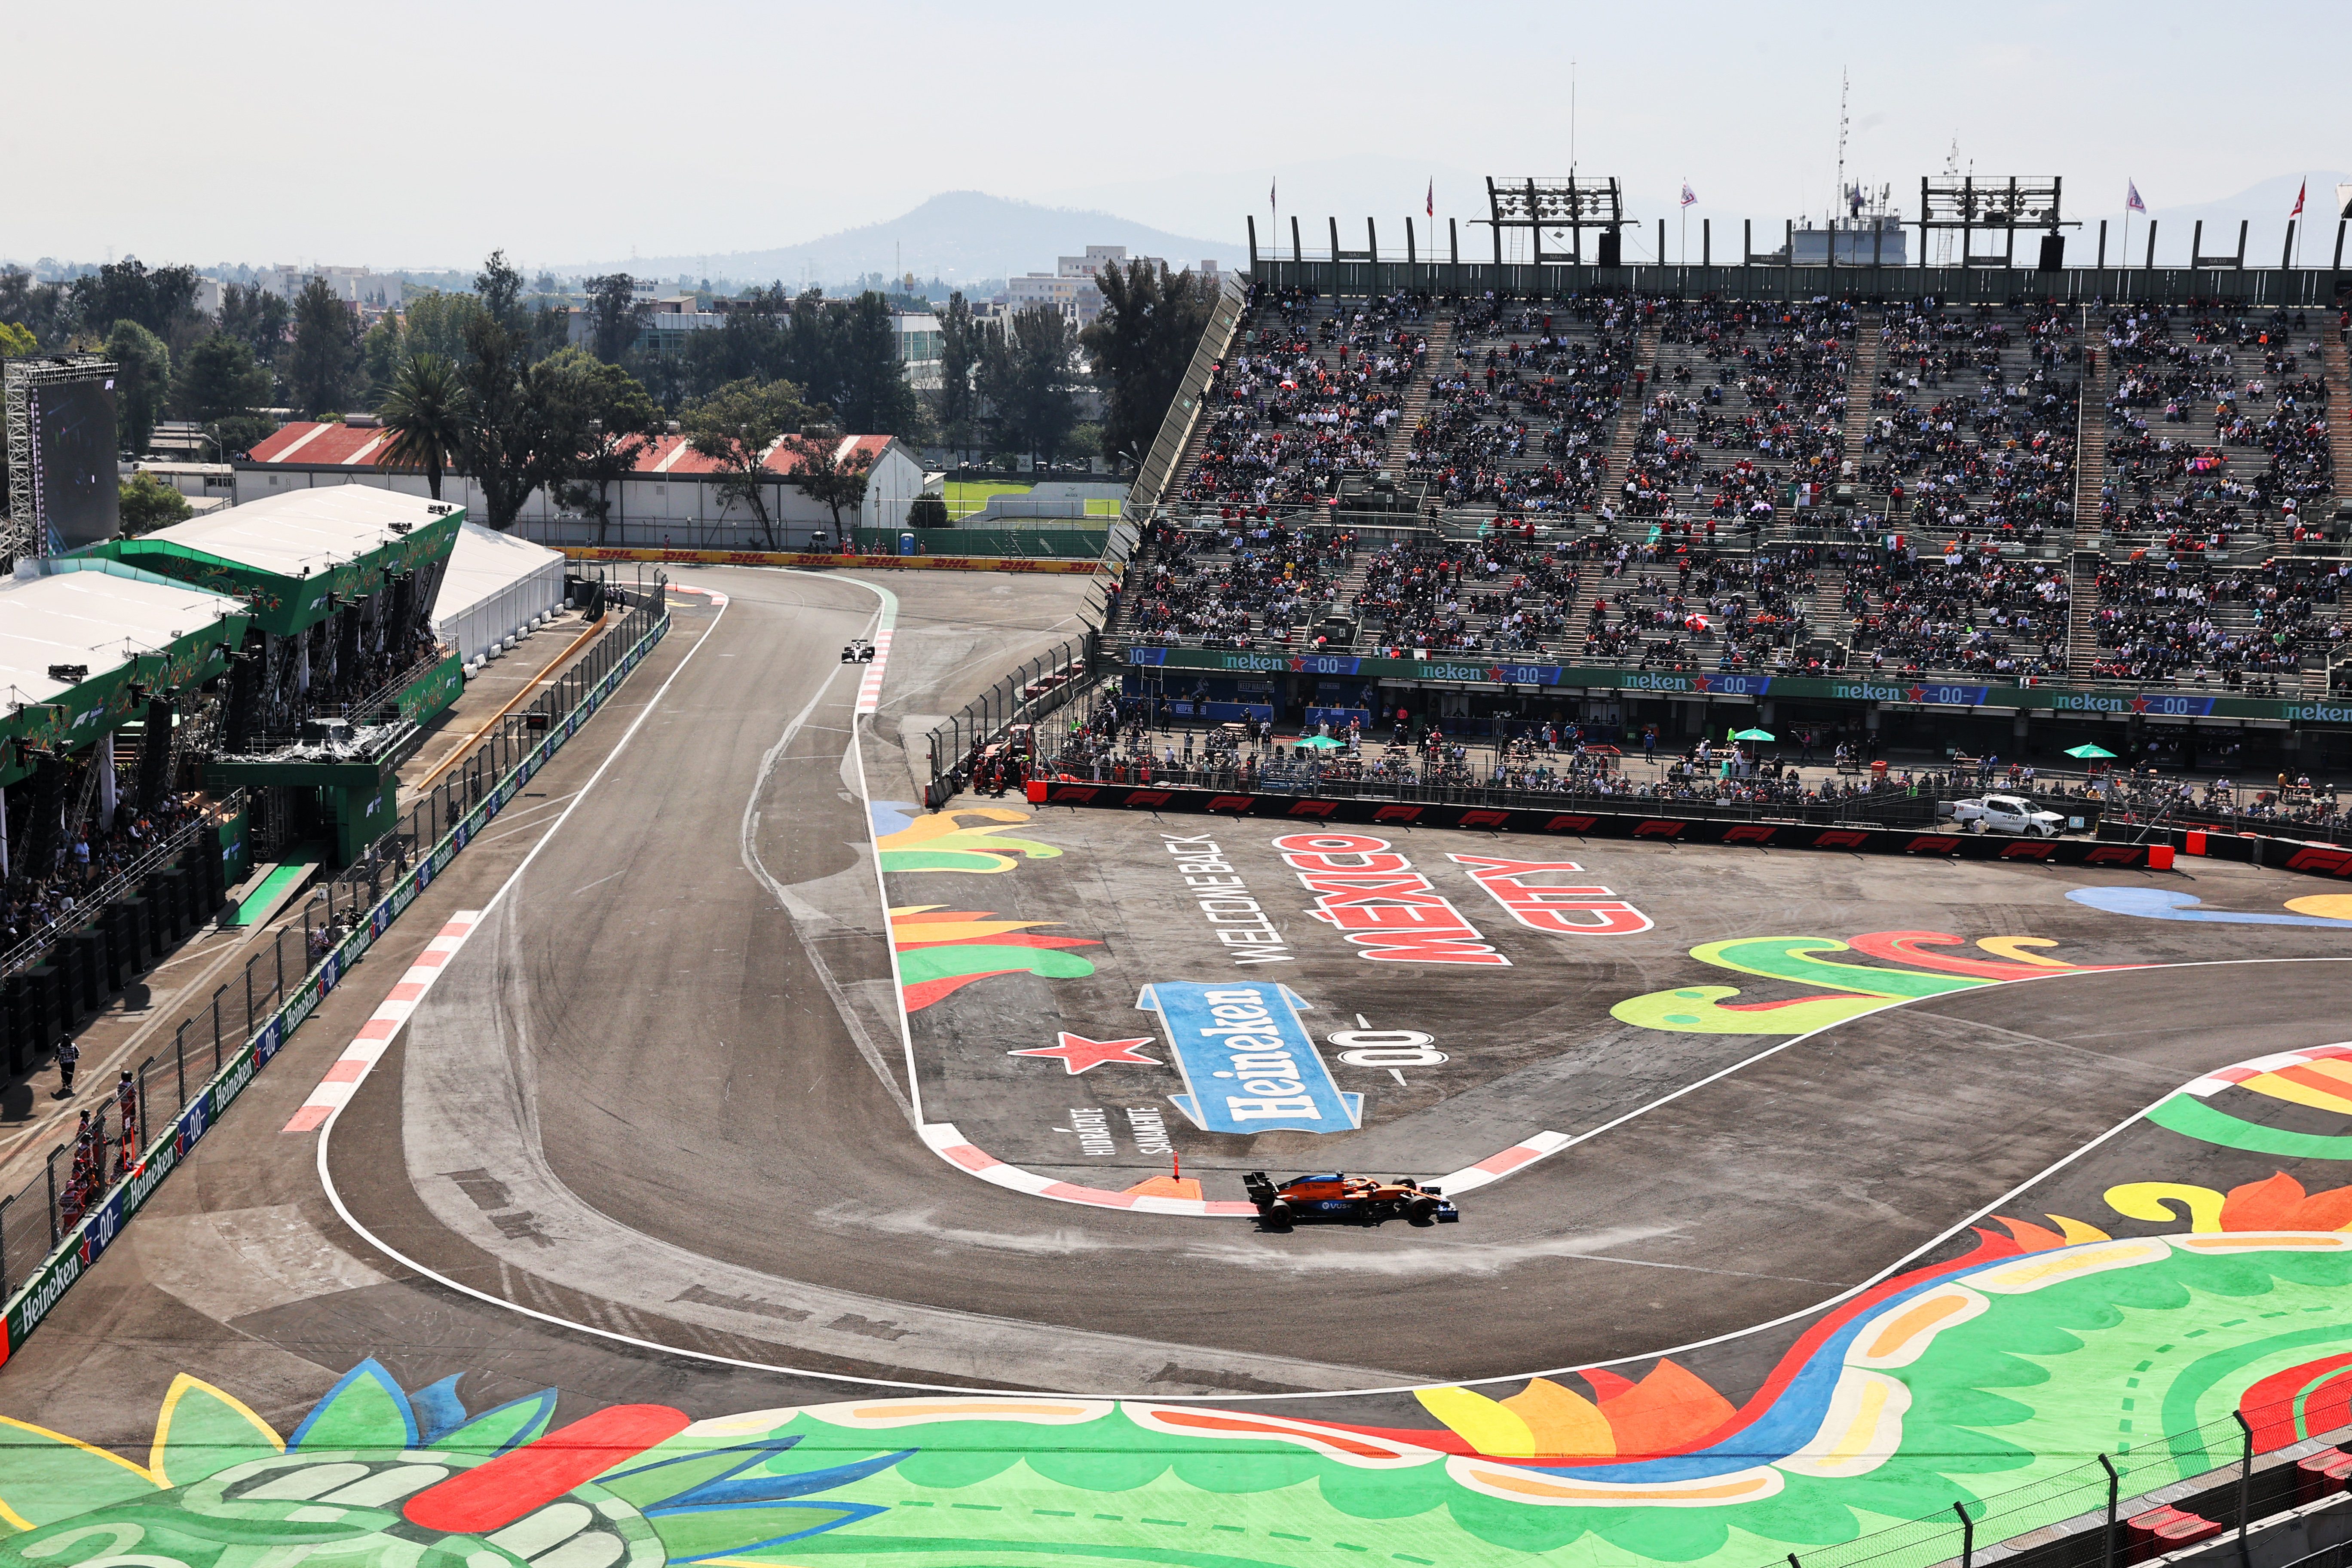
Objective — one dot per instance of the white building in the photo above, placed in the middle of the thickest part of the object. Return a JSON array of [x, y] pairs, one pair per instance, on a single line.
[[352, 285], [671, 497]]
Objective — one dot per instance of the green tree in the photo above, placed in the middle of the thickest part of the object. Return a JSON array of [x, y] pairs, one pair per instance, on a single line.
[[869, 393], [428, 413], [434, 324], [143, 383], [609, 421], [827, 476], [734, 427], [252, 313], [217, 378], [1141, 346], [322, 368], [551, 331], [41, 308], [148, 503], [219, 385], [959, 346], [162, 300], [617, 315], [17, 341], [510, 448], [1025, 375], [380, 355]]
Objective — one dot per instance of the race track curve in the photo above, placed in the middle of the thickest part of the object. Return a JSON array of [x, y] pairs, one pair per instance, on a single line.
[[665, 1077]]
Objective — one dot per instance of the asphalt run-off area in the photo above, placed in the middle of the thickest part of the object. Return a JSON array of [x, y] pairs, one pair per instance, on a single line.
[[727, 1160]]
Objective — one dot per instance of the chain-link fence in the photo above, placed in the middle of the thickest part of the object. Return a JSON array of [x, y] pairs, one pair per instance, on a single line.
[[1043, 685], [2102, 1490], [290, 969]]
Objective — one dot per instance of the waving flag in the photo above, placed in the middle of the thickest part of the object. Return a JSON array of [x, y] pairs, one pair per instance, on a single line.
[[2132, 203], [1433, 200], [1270, 184], [1689, 196], [2300, 192]]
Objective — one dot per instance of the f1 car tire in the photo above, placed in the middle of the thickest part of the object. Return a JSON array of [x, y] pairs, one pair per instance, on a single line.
[[1420, 1209], [1277, 1213]]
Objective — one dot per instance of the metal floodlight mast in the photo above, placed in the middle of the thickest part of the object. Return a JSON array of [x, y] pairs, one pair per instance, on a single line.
[[1966, 204], [1573, 204]]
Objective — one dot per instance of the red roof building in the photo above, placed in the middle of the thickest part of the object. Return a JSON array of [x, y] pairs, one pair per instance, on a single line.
[[670, 496]]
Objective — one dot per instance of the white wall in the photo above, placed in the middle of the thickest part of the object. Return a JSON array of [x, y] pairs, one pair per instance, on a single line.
[[684, 510]]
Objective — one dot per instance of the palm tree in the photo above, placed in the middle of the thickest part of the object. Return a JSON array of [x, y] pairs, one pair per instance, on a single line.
[[427, 412]]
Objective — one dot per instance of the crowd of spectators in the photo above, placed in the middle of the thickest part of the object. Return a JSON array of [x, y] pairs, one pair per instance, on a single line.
[[1312, 395], [1973, 421], [2267, 459], [1250, 579], [1970, 611], [2174, 619], [40, 901], [1766, 381], [1523, 419]]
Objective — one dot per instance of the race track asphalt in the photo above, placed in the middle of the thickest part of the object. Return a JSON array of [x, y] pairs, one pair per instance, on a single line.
[[671, 1051], [650, 1138]]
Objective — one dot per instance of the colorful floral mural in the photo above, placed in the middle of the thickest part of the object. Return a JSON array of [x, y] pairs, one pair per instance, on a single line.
[[942, 841], [939, 950], [1965, 1381], [1842, 989]]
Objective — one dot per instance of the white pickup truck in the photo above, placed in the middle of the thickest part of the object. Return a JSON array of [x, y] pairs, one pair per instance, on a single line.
[[2003, 814]]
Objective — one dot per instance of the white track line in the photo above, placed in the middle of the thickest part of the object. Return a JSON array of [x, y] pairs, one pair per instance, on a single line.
[[359, 1057]]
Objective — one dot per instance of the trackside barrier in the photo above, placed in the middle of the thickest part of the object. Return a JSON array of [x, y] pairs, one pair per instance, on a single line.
[[1087, 568], [85, 1240], [1597, 825]]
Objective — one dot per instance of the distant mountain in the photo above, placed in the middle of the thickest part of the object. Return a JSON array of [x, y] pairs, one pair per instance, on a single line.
[[958, 236]]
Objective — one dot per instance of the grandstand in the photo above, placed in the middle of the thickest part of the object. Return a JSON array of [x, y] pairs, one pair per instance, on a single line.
[[2013, 486]]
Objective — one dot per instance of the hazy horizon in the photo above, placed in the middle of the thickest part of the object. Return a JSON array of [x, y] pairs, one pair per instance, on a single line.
[[425, 142]]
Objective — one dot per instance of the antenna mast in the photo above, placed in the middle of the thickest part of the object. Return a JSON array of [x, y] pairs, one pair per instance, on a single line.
[[1839, 200], [1951, 172]]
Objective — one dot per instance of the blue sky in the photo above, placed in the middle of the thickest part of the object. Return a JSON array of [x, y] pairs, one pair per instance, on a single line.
[[426, 132]]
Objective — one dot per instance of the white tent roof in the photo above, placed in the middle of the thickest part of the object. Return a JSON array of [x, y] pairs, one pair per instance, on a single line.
[[94, 618], [485, 563], [302, 530]]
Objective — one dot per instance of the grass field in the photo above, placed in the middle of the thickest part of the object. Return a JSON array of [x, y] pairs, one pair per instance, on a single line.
[[963, 499]]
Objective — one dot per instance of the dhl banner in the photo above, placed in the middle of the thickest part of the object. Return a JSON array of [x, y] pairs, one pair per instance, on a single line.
[[860, 563]]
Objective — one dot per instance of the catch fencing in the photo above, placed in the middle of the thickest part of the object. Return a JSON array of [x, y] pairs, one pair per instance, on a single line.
[[1039, 687], [2098, 1496], [60, 1221]]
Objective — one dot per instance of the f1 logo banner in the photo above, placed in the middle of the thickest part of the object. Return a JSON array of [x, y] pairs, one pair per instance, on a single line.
[[1249, 1065]]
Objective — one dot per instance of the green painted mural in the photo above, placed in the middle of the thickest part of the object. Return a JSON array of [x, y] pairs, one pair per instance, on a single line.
[[1968, 1379]]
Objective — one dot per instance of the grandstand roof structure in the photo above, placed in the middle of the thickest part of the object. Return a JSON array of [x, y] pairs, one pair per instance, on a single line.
[[80, 643], [296, 557]]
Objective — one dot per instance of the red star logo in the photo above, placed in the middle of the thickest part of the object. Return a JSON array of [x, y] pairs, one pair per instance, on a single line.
[[1077, 1053], [2139, 704], [1495, 673], [1702, 682], [1917, 693]]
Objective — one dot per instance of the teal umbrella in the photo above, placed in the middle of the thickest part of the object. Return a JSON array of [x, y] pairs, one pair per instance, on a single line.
[[2090, 751], [1323, 743], [1754, 735]]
